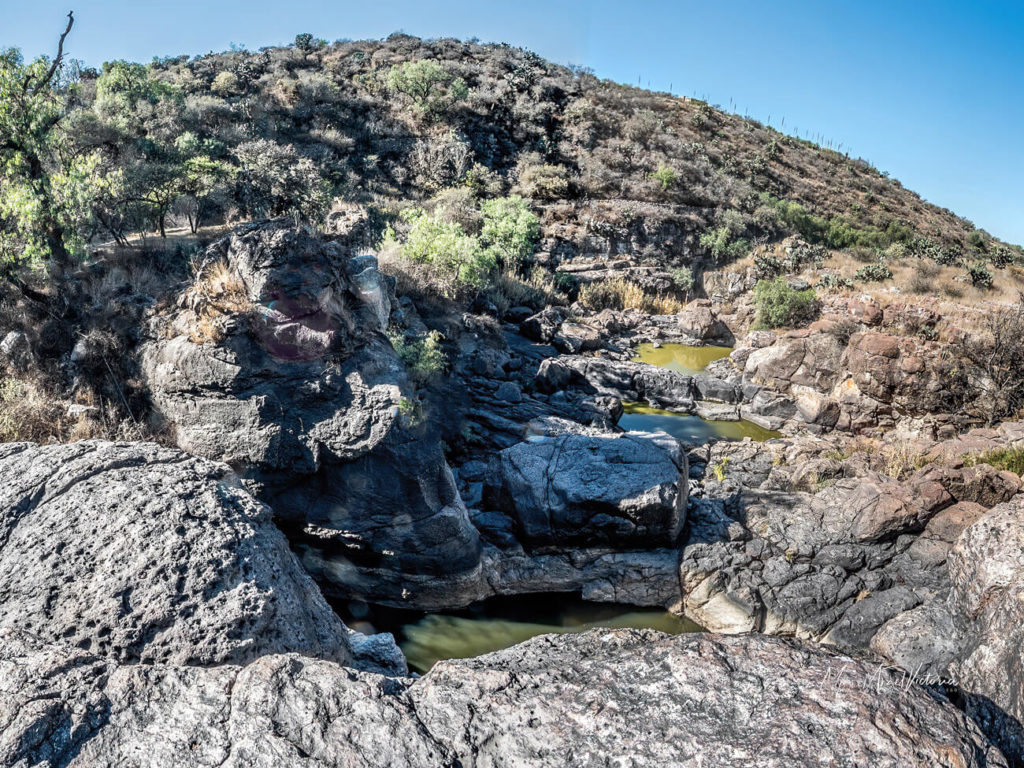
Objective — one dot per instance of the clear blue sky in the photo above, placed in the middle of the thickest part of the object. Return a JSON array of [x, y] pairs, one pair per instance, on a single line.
[[932, 93]]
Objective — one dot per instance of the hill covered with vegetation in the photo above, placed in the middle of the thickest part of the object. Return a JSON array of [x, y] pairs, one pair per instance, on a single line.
[[92, 156]]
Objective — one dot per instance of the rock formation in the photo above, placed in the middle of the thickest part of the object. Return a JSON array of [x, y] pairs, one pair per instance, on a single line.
[[569, 700], [303, 396]]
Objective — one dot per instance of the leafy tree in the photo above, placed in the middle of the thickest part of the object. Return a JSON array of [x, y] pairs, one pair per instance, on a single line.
[[123, 88], [510, 230], [273, 179], [41, 189], [431, 87]]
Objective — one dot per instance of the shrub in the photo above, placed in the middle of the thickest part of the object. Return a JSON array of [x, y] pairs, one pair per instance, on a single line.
[[920, 283], [873, 273], [834, 282], [767, 266], [986, 366], [1011, 459], [722, 245], [509, 231], [226, 84], [458, 259], [843, 329], [424, 357], [682, 279], [543, 181], [980, 276], [1000, 256], [665, 177], [780, 304]]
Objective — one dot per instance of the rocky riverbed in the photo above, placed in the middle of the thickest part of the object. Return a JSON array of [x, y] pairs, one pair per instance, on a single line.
[[858, 565]]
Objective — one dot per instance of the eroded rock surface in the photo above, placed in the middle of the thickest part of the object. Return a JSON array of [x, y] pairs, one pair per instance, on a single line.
[[144, 554], [557, 700], [303, 395]]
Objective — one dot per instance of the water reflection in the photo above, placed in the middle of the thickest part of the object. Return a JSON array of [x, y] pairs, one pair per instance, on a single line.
[[500, 623], [680, 357], [688, 428]]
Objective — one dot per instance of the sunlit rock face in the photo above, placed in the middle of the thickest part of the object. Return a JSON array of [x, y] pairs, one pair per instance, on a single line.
[[301, 392]]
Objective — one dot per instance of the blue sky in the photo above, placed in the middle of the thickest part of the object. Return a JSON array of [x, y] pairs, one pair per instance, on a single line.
[[932, 93]]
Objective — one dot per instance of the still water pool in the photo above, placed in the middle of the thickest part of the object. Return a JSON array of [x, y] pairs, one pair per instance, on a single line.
[[500, 623], [690, 429], [680, 357]]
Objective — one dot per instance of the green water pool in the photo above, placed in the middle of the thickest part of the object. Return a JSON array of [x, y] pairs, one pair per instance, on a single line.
[[500, 623], [680, 357], [688, 428]]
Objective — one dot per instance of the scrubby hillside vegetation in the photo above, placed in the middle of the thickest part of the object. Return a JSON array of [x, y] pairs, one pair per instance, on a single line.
[[490, 175], [242, 134]]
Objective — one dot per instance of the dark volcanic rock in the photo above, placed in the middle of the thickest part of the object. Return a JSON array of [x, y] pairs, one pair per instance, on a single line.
[[304, 399], [141, 553], [569, 700], [624, 489]]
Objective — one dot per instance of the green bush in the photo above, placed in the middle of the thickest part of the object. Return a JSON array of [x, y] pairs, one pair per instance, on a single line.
[[873, 273], [722, 245], [779, 304], [682, 278], [509, 231], [1011, 459], [457, 257], [424, 357], [665, 176]]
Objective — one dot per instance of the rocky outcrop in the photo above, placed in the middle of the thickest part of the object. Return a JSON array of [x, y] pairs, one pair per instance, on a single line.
[[139, 553], [783, 540], [625, 489], [841, 377], [303, 395], [566, 700]]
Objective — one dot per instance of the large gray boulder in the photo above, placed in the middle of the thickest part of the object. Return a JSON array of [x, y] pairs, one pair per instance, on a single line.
[[987, 572], [623, 696], [593, 489], [145, 554], [303, 394]]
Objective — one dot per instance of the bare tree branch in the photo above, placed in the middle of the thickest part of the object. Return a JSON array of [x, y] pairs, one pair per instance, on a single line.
[[60, 56]]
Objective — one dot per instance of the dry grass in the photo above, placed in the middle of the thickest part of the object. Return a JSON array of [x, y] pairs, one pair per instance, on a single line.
[[625, 294], [215, 293], [896, 460], [29, 412], [536, 290]]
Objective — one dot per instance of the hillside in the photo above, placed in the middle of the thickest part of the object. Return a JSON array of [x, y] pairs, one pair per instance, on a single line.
[[241, 134]]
